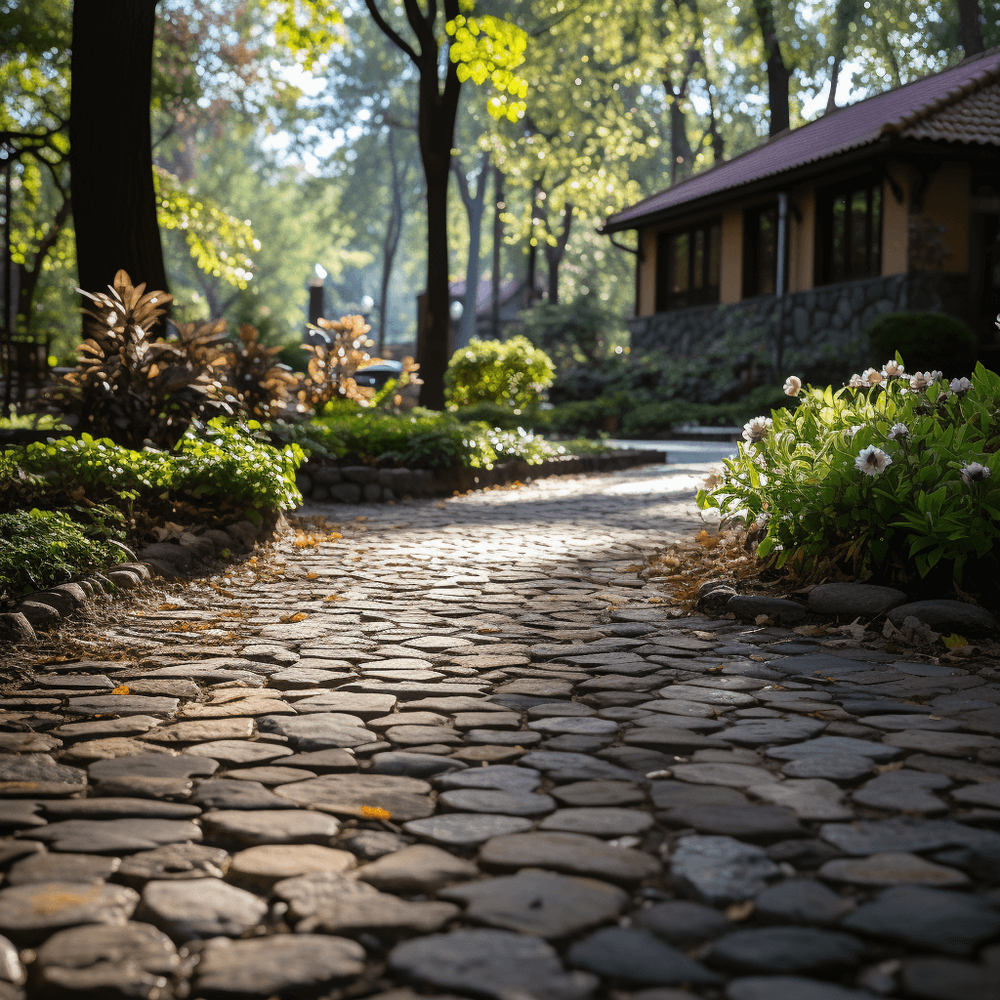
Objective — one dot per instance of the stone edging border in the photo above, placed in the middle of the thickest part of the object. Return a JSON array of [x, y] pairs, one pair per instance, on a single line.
[[321, 480]]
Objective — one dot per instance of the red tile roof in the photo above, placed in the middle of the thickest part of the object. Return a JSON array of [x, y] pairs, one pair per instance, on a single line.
[[961, 104]]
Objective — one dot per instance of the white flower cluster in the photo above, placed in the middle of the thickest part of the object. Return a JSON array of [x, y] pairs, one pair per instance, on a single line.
[[898, 431], [872, 461], [973, 472], [793, 385], [921, 380], [757, 429]]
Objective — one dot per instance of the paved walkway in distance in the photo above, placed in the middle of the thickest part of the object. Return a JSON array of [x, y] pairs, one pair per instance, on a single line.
[[463, 751]]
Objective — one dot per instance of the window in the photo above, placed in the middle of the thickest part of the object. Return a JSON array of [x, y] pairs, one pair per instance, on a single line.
[[687, 266], [760, 251], [850, 232]]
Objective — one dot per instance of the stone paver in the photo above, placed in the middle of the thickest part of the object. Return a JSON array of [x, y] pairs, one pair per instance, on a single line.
[[492, 762]]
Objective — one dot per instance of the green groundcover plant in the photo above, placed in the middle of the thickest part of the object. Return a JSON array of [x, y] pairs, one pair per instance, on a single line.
[[229, 465], [45, 547], [888, 477]]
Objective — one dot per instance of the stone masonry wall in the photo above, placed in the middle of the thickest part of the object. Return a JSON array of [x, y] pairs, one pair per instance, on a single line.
[[815, 329]]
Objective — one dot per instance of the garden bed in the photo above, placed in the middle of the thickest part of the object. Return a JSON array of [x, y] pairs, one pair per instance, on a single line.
[[322, 480]]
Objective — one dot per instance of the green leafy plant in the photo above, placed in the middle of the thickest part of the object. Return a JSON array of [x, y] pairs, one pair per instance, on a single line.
[[232, 465], [423, 439], [130, 387], [888, 477], [45, 547], [511, 372], [925, 341]]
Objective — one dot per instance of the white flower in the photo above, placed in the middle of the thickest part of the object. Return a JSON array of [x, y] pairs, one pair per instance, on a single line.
[[856, 382], [892, 369], [793, 385], [854, 430], [871, 376], [973, 472], [960, 385], [871, 461], [757, 429], [898, 431], [935, 375], [920, 380]]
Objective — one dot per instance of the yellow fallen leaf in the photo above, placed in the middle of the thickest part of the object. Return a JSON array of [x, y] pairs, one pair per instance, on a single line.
[[375, 812], [740, 911], [954, 641], [121, 689], [287, 619]]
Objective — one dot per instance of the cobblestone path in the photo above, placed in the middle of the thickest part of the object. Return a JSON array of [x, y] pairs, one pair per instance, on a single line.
[[463, 751]]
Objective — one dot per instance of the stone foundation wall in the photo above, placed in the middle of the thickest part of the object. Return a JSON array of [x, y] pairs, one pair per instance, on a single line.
[[318, 479], [811, 329]]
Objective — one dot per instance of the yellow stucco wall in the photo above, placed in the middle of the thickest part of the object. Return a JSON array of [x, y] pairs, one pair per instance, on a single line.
[[646, 305], [731, 258], [946, 204], [896, 219], [801, 238]]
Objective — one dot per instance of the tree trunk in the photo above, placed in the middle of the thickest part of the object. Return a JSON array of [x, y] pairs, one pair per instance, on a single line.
[[971, 32], [778, 75], [496, 279], [111, 163], [555, 254], [390, 244], [27, 283], [831, 101], [475, 203], [530, 279]]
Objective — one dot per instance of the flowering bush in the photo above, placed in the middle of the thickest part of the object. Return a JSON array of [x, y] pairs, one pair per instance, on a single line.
[[889, 476]]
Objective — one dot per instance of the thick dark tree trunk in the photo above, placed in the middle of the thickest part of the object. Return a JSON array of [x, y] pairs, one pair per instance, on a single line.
[[778, 74], [111, 163], [970, 28]]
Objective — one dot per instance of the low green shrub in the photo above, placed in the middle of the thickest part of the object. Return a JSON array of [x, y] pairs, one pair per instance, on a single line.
[[925, 341], [45, 547], [232, 464], [423, 439], [509, 372], [889, 477]]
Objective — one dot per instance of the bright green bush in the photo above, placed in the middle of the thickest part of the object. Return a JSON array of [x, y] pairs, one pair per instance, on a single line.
[[924, 340], [231, 463], [44, 547], [424, 439], [889, 477], [510, 372]]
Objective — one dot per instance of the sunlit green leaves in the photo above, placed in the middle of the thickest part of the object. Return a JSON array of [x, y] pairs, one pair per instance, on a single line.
[[485, 49], [219, 243]]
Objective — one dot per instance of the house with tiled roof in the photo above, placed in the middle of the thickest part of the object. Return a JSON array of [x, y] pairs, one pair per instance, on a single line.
[[891, 203]]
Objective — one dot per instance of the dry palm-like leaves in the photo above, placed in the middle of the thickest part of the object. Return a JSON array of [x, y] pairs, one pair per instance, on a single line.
[[262, 387], [131, 387], [330, 374]]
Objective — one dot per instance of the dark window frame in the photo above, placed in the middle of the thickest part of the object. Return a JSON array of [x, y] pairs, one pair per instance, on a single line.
[[700, 267], [840, 254], [760, 275]]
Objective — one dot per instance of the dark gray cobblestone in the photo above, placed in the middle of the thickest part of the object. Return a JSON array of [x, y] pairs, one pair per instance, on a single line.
[[461, 750]]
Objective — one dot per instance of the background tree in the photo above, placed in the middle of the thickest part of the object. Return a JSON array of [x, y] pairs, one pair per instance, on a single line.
[[439, 80], [111, 162]]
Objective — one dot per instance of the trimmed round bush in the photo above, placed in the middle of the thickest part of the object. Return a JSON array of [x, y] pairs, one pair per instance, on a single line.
[[509, 372], [926, 341]]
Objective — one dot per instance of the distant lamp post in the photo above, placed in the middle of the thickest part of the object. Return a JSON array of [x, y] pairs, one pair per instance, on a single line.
[[316, 294]]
